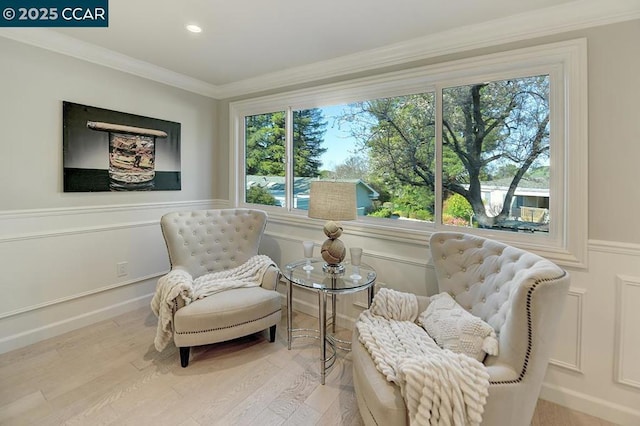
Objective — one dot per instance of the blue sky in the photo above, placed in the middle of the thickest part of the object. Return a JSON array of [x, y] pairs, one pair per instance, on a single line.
[[338, 140]]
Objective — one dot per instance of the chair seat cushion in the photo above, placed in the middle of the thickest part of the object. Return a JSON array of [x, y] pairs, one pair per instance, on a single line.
[[226, 309], [380, 401]]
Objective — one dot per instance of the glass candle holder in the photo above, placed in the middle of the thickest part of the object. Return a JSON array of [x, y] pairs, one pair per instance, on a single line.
[[356, 258], [308, 254]]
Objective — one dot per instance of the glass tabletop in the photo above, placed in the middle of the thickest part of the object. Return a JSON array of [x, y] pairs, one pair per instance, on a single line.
[[354, 278]]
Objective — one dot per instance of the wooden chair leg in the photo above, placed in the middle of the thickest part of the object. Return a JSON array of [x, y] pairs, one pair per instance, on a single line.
[[184, 356], [272, 333]]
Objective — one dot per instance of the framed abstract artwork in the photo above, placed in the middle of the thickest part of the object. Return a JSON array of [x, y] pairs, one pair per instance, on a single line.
[[105, 150]]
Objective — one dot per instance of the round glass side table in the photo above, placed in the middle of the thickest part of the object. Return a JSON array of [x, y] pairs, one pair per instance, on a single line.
[[325, 284]]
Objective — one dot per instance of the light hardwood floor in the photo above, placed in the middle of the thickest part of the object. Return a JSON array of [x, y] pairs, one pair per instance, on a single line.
[[110, 373]]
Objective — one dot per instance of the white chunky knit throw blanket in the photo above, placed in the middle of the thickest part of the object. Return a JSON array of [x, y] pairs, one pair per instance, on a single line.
[[439, 387], [179, 283]]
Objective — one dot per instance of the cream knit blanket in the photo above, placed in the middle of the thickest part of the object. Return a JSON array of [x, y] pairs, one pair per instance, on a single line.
[[179, 283], [439, 387]]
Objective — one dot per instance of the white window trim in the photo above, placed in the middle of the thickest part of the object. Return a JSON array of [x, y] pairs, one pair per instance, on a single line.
[[566, 63]]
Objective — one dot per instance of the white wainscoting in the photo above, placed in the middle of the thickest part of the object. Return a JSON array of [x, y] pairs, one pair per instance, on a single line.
[[569, 354], [627, 358], [59, 266]]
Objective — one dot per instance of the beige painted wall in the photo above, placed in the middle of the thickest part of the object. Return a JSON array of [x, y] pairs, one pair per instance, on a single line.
[[58, 251], [33, 84]]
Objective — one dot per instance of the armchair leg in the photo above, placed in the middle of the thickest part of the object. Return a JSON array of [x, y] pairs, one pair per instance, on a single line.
[[272, 333], [184, 356]]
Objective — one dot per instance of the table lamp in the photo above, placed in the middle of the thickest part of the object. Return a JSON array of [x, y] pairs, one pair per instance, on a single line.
[[333, 201]]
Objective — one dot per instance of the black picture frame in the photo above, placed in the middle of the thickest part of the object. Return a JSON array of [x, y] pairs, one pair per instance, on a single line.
[[106, 150]]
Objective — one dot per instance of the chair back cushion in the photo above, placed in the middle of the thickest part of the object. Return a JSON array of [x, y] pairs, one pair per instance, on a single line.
[[482, 275], [205, 241]]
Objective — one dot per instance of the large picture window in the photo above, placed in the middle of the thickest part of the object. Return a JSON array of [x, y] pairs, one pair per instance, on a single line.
[[490, 144]]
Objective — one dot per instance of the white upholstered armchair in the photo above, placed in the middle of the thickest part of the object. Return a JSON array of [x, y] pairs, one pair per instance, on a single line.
[[206, 242], [519, 294]]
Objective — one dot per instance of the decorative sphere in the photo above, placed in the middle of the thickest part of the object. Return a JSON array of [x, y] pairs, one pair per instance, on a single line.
[[333, 251], [332, 229]]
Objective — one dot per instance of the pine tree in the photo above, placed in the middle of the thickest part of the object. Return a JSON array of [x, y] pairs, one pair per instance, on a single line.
[[265, 139], [308, 135]]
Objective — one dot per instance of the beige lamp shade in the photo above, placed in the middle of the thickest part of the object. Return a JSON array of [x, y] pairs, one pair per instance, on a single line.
[[331, 200]]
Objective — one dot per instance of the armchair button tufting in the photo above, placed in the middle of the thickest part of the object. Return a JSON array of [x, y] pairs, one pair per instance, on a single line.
[[464, 269], [444, 257], [484, 300]]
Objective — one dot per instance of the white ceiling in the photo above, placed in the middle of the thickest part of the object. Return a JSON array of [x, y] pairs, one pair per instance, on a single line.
[[245, 40]]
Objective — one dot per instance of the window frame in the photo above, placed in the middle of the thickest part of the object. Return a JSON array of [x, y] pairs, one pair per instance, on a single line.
[[566, 64]]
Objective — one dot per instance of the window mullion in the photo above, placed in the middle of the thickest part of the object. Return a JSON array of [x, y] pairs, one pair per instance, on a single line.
[[288, 174], [438, 154]]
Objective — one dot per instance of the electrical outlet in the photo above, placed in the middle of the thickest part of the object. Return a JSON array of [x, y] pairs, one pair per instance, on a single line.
[[122, 269]]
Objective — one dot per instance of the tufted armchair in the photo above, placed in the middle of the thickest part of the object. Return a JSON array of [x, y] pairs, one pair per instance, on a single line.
[[205, 241], [520, 294]]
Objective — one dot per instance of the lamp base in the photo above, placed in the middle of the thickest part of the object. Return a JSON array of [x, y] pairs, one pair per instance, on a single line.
[[333, 268]]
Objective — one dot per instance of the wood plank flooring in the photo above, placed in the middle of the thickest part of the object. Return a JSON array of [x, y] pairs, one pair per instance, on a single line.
[[109, 373]]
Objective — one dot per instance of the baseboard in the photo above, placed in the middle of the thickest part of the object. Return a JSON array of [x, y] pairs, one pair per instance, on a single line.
[[593, 406], [28, 337]]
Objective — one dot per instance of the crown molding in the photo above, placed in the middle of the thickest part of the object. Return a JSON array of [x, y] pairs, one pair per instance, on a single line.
[[61, 43], [571, 16]]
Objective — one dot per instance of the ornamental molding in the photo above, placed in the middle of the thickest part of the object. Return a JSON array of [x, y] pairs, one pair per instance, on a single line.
[[566, 17]]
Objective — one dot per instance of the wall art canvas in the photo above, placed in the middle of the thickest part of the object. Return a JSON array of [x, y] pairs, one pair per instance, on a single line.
[[106, 150]]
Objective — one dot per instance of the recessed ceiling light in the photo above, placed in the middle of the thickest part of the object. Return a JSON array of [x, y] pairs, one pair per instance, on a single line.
[[194, 28]]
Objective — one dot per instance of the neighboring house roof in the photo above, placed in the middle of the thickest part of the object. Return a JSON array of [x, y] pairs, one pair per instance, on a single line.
[[301, 184], [526, 187], [524, 183]]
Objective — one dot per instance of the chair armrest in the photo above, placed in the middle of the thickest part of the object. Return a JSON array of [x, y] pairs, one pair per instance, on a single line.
[[178, 276], [423, 302], [528, 333], [270, 278]]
